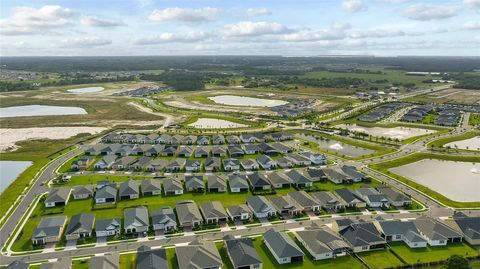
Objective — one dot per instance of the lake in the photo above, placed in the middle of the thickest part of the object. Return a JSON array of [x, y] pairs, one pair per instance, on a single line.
[[9, 171], [86, 90], [339, 147], [471, 144], [459, 181], [39, 110], [235, 100], [398, 132], [209, 123]]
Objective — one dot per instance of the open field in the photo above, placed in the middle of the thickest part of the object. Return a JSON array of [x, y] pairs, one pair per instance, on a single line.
[[379, 259], [432, 254], [474, 119], [449, 96], [444, 141]]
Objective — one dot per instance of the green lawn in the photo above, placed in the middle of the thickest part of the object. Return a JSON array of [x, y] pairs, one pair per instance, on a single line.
[[77, 180], [432, 254], [128, 261], [80, 264], [474, 119], [441, 142], [430, 119], [379, 259]]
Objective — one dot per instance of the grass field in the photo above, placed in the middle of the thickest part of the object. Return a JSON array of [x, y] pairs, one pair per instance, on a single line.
[[443, 141], [128, 261], [379, 259], [474, 119], [432, 254]]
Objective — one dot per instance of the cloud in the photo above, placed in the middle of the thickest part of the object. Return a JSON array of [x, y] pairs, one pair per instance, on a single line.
[[395, 1], [85, 42], [184, 14], [353, 5], [471, 25], [28, 20], [255, 12], [313, 36], [377, 33], [188, 37], [97, 22], [249, 28], [475, 4], [425, 12]]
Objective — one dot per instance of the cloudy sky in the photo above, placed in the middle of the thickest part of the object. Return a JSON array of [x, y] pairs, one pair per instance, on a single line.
[[279, 27]]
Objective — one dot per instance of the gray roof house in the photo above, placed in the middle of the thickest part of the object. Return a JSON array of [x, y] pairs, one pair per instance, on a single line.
[[129, 190], [322, 243], [435, 232], [141, 163], [82, 192], [299, 180], [151, 259], [156, 165], [239, 212], [185, 151], [266, 162], [233, 139], [235, 151], [259, 182], [282, 247], [108, 227], [80, 225], [249, 164], [49, 230], [362, 236], [350, 198], [105, 162], [188, 214], [231, 164], [172, 187], [305, 200], [286, 205], [284, 162], [213, 164], [218, 139], [216, 184], [282, 148], [203, 140], [251, 148], [396, 230], [198, 255], [298, 159], [136, 220], [238, 183], [261, 206], [195, 183], [328, 201], [189, 140], [373, 197], [106, 194], [218, 151], [242, 253], [469, 226], [58, 197], [395, 198], [164, 219], [213, 212], [124, 162], [314, 157], [315, 174], [107, 261], [193, 165], [353, 173], [169, 150], [336, 176], [151, 187], [202, 152], [278, 181], [175, 165]]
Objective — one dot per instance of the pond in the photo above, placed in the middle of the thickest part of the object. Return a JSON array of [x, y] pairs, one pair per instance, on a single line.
[[340, 147], [471, 144], [86, 90], [235, 100], [459, 181], [398, 132], [9, 171], [209, 123], [39, 110]]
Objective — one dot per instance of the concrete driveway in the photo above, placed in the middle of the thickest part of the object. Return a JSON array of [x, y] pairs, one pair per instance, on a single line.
[[71, 244]]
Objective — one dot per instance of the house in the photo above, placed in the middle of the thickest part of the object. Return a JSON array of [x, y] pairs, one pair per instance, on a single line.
[[58, 197], [248, 138], [298, 160], [164, 219], [362, 236], [105, 162], [304, 200], [298, 180], [278, 181], [328, 201], [154, 151], [213, 212], [261, 207], [155, 165], [195, 183], [267, 149], [238, 183], [60, 263], [176, 139], [198, 254], [286, 205], [231, 164], [266, 162], [136, 220], [282, 247], [396, 230], [251, 149], [107, 261], [108, 227], [435, 232], [249, 164], [281, 148], [49, 230], [164, 139], [175, 165], [151, 259], [281, 136], [335, 176], [395, 198], [353, 174], [189, 140], [129, 190], [82, 192], [169, 150], [202, 152], [151, 187], [259, 182], [185, 151], [468, 226], [235, 151], [141, 163], [242, 253], [233, 139], [350, 198], [188, 214], [216, 184], [193, 165], [172, 187], [284, 162], [218, 139], [239, 212], [373, 197], [124, 163], [80, 226], [315, 157], [82, 163], [315, 174], [106, 194], [203, 140], [322, 243], [218, 151], [213, 164]]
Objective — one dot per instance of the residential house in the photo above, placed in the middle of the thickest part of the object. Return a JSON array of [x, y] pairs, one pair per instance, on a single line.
[[136, 220], [282, 247], [164, 139], [468, 226], [218, 139], [216, 184], [129, 190], [239, 212], [213, 212], [259, 182], [169, 150], [151, 187], [108, 227], [202, 152], [305, 200], [261, 207], [435, 232], [353, 174], [198, 254], [249, 164], [155, 165], [185, 151], [285, 205], [58, 197], [151, 259], [298, 159], [242, 253], [248, 138], [82, 192], [284, 162], [124, 163], [373, 197], [362, 236], [105, 162], [80, 226], [175, 165], [298, 180], [267, 149], [218, 151], [278, 181], [172, 187], [251, 149], [335, 176], [233, 139], [154, 151], [164, 219], [203, 140], [328, 201], [396, 230], [266, 162], [238, 183], [213, 164], [322, 243], [189, 140], [281, 136], [49, 230], [235, 151], [176, 139], [106, 194], [281, 148], [395, 198], [195, 183], [188, 214], [315, 157], [107, 261], [141, 163], [350, 198], [231, 164], [315, 174], [82, 163], [193, 165]]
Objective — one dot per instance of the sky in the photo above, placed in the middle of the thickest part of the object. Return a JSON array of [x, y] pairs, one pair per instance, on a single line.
[[261, 27]]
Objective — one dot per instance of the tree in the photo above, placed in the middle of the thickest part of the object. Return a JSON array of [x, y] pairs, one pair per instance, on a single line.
[[456, 262]]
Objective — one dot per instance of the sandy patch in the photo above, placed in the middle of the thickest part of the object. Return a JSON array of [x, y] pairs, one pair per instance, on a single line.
[[208, 123], [11, 136]]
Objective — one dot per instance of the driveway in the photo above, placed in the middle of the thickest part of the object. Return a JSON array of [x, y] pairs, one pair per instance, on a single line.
[[71, 244], [101, 241]]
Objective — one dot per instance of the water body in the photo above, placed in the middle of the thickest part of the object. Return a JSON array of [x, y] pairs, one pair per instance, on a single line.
[[208, 123], [459, 181], [86, 90], [235, 100], [399, 132], [39, 110], [9, 171], [471, 143], [342, 148]]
